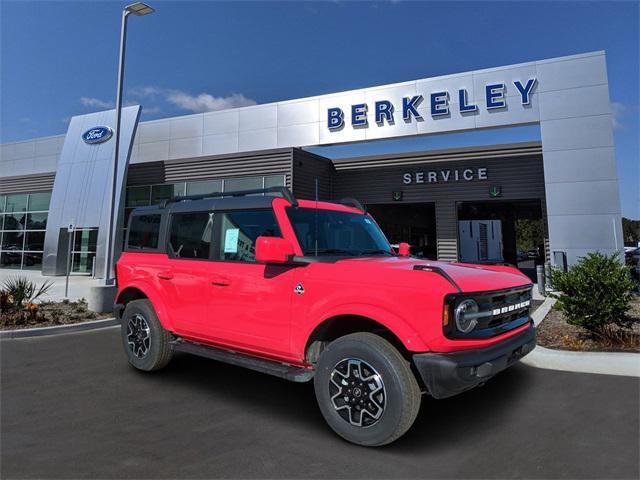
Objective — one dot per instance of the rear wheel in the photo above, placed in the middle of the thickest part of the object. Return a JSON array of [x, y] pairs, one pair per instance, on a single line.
[[145, 341], [366, 390]]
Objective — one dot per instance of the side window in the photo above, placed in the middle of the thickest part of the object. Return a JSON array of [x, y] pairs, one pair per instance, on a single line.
[[190, 235], [144, 231], [239, 230]]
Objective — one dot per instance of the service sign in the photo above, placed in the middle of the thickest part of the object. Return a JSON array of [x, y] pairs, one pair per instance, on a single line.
[[97, 135], [445, 175]]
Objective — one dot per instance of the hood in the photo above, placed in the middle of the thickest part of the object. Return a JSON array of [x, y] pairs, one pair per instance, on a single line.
[[468, 277]]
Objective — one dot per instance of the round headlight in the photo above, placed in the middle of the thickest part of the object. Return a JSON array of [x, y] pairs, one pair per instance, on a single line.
[[463, 322]]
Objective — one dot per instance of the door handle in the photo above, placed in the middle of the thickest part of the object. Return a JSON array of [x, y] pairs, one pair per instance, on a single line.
[[221, 281], [164, 275]]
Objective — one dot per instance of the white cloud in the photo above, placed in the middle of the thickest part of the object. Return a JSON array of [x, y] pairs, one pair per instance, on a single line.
[[617, 111], [146, 91], [95, 103], [205, 102], [151, 110]]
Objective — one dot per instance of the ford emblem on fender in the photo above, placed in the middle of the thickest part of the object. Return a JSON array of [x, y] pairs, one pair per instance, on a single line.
[[97, 135]]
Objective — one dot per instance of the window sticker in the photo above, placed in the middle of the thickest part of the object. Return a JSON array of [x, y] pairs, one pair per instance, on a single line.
[[231, 240]]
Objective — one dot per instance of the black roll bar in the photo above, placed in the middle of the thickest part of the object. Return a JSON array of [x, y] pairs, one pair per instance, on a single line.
[[284, 191]]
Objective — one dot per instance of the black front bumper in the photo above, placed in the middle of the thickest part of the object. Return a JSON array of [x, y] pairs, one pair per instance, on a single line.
[[447, 374], [118, 308]]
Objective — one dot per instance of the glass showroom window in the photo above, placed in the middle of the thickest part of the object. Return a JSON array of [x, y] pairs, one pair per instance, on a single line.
[[23, 222]]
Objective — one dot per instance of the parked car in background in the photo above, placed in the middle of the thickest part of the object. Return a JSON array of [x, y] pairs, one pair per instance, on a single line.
[[632, 258]]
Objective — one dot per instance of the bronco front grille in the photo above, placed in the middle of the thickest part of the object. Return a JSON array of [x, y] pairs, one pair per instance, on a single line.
[[499, 312]]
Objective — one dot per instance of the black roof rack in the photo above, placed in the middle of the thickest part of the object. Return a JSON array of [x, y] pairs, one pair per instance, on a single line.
[[352, 202], [284, 191]]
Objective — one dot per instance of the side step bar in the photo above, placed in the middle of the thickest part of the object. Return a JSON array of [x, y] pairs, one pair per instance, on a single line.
[[277, 369]]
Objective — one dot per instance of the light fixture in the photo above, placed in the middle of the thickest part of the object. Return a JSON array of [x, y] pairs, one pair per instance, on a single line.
[[139, 9]]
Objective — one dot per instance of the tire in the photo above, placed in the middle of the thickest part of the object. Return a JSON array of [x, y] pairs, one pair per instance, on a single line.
[[153, 352], [369, 419]]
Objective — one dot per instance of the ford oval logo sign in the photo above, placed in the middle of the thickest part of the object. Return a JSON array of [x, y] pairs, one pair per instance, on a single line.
[[97, 135]]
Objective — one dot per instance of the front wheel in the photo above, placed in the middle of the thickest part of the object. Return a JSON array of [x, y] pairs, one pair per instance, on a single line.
[[366, 390], [145, 341]]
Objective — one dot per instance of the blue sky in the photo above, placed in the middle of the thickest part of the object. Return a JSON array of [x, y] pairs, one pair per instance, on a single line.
[[59, 59]]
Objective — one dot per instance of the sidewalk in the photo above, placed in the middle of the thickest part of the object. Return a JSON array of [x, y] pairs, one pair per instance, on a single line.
[[79, 285]]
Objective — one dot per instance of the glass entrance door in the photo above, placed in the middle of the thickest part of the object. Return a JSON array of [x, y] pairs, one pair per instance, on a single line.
[[84, 250]]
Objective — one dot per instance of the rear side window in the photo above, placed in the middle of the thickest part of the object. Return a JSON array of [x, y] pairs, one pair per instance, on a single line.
[[190, 235], [239, 230], [144, 231]]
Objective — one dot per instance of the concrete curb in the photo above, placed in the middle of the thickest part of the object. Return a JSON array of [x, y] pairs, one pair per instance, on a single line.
[[59, 329], [606, 363], [543, 310]]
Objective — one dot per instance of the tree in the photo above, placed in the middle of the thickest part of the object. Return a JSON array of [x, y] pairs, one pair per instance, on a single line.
[[630, 230]]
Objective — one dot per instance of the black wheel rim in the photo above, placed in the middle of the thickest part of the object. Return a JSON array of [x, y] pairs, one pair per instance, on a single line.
[[357, 392], [138, 335]]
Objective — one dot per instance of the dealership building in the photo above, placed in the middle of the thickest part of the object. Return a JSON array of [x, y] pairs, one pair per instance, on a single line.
[[551, 200]]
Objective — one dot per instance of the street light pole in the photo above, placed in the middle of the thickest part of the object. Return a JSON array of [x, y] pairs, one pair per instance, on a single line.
[[137, 9], [113, 210]]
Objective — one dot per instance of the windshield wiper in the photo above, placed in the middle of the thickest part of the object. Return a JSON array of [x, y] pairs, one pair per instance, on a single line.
[[376, 252], [330, 251]]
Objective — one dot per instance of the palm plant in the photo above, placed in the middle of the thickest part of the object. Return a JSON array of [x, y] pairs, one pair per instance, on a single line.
[[20, 291]]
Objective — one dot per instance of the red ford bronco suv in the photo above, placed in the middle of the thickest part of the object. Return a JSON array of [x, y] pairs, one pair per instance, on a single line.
[[308, 290]]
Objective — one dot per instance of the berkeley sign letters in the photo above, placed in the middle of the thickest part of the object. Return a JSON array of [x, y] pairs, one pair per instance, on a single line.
[[438, 106]]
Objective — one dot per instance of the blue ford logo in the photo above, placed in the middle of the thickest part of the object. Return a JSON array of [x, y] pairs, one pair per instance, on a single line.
[[97, 135]]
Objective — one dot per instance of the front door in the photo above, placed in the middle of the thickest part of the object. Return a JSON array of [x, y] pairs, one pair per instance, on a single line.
[[250, 303]]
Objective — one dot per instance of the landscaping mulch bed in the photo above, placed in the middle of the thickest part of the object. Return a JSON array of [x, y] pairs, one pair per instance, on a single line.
[[50, 314], [554, 332]]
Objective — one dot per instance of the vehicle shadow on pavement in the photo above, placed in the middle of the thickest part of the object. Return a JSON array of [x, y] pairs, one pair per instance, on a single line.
[[439, 421], [253, 391], [442, 423]]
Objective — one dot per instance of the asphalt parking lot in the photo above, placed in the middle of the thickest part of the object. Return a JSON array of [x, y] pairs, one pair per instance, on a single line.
[[73, 408]]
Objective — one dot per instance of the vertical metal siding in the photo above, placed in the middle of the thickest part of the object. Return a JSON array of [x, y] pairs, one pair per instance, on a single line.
[[42, 182], [447, 230], [146, 173], [271, 162], [518, 171], [520, 178], [306, 168]]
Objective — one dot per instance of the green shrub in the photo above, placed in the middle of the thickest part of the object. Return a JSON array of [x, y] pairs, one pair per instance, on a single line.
[[595, 292]]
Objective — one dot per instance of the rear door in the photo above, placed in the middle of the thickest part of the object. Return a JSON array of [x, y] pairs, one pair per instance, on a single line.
[[250, 302]]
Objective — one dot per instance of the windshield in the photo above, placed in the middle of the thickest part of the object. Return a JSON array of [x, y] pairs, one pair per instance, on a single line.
[[337, 233]]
